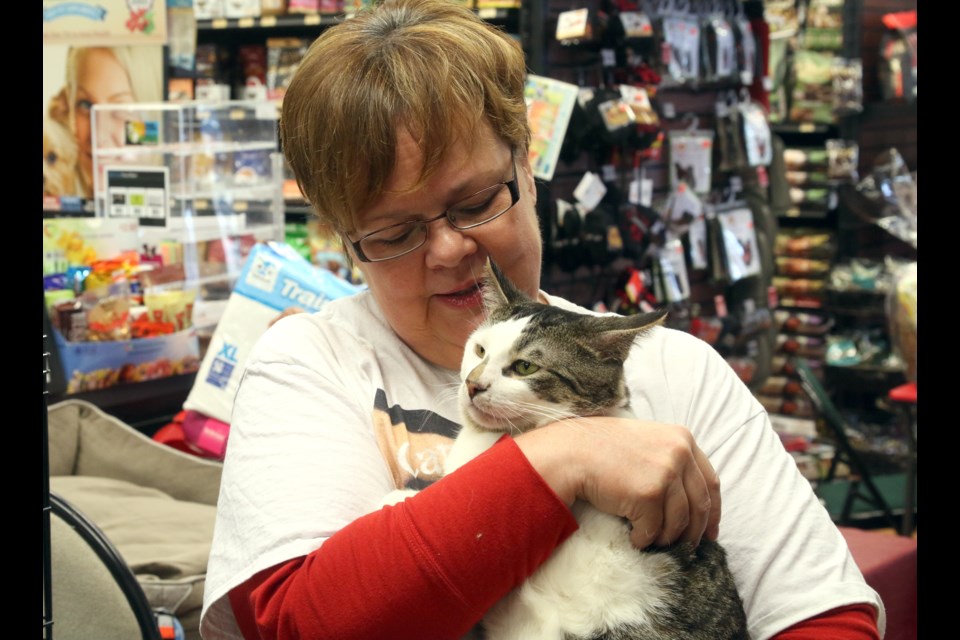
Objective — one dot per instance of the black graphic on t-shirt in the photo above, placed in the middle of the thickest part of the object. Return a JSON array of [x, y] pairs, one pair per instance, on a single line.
[[414, 442]]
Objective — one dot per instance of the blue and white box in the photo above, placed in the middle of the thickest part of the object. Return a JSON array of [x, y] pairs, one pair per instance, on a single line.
[[274, 278]]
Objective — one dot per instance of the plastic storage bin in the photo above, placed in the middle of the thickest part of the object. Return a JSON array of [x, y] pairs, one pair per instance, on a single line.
[[204, 181]]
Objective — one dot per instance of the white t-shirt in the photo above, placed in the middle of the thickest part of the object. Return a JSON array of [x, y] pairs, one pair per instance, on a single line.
[[335, 395]]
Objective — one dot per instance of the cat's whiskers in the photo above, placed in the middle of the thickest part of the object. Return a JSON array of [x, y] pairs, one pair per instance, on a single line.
[[528, 409], [448, 391]]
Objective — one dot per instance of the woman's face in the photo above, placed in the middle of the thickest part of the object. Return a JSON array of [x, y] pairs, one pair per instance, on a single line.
[[430, 296], [100, 79]]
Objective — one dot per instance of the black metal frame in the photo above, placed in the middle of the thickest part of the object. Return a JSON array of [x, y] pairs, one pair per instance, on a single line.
[[845, 452], [113, 561], [91, 534], [47, 571]]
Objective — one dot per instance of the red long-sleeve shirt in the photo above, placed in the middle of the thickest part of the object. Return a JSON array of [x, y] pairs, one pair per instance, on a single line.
[[439, 563]]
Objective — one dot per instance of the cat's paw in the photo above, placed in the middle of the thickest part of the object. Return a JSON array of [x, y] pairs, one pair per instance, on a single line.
[[395, 496]]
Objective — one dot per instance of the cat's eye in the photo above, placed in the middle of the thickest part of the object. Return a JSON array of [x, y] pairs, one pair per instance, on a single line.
[[525, 368], [480, 351]]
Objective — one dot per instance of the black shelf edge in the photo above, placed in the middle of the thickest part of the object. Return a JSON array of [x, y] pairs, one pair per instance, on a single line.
[[299, 20], [802, 127], [270, 22]]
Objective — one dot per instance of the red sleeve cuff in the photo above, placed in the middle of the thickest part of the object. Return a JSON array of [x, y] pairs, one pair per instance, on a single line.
[[854, 622]]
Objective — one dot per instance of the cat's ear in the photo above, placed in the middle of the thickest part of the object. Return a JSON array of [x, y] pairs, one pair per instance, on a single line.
[[615, 335], [497, 288]]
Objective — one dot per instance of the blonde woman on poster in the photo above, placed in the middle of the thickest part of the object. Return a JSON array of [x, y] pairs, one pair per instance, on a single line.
[[93, 75]]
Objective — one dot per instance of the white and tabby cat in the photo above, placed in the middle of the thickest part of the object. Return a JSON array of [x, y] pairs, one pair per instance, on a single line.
[[530, 364]]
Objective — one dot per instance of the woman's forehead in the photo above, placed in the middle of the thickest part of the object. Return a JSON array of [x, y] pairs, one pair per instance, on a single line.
[[462, 167]]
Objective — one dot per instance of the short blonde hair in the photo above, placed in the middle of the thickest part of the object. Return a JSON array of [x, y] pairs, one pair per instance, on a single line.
[[430, 67]]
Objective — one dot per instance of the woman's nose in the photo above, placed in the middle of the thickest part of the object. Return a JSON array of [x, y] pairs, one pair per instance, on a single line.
[[447, 246]]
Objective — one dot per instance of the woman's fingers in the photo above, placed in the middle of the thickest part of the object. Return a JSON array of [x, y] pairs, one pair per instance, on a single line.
[[693, 510], [712, 502], [682, 501], [652, 474]]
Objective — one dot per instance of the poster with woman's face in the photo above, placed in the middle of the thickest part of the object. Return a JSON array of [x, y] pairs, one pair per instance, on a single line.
[[75, 79], [108, 51]]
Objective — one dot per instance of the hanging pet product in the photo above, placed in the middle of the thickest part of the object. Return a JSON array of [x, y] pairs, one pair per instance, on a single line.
[[646, 120], [739, 240], [691, 157], [746, 47], [718, 48], [577, 27], [847, 86], [669, 270], [756, 132], [683, 208], [565, 246], [681, 33], [731, 151]]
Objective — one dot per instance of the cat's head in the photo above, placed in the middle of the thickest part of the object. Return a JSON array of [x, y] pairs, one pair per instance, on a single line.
[[530, 363]]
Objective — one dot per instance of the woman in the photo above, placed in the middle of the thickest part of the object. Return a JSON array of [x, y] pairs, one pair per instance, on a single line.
[[104, 75], [396, 121]]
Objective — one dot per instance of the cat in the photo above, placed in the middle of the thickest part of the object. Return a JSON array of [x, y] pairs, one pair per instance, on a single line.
[[529, 364]]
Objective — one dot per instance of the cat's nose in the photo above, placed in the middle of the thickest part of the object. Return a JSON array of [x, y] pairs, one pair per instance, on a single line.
[[474, 388]]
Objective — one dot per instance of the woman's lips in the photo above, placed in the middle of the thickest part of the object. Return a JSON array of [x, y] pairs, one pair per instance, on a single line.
[[467, 297]]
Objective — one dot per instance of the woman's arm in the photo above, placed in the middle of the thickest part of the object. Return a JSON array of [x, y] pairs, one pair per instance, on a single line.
[[428, 567]]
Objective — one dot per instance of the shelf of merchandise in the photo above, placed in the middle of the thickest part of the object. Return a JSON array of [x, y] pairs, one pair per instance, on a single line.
[[222, 183]]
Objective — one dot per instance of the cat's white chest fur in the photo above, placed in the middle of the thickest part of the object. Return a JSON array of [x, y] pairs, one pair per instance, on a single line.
[[594, 581], [595, 575]]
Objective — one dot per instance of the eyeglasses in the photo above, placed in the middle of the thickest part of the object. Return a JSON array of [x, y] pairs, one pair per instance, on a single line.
[[400, 239]]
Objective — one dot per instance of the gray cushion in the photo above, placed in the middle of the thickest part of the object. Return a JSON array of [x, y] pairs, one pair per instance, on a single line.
[[155, 504], [165, 542]]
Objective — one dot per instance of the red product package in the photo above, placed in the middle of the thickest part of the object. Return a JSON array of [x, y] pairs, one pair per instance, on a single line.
[[253, 64]]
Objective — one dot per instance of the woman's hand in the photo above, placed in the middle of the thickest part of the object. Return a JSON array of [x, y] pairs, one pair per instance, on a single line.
[[289, 311], [651, 473]]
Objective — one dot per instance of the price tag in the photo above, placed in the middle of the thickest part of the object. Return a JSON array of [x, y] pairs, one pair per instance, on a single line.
[[590, 191]]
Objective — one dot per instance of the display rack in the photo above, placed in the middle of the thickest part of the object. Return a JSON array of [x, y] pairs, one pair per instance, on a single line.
[[204, 181]]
